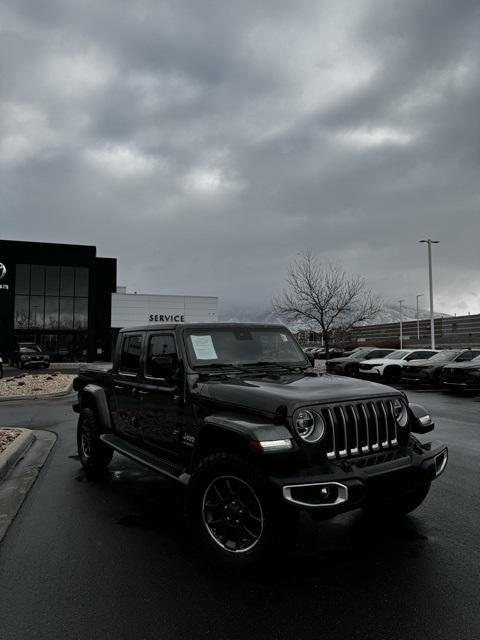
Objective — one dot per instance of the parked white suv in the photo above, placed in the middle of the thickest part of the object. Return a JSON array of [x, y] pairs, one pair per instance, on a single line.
[[389, 368]]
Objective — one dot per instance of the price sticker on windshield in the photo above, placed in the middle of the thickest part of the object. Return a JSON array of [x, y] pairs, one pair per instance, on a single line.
[[203, 348]]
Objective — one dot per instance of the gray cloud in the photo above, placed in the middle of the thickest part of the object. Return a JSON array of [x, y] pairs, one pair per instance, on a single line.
[[206, 143]]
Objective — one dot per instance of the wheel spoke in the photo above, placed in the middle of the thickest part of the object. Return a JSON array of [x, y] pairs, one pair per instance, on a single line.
[[247, 530], [229, 487], [217, 491]]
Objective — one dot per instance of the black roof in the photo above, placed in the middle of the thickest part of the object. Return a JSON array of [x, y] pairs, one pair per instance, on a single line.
[[155, 326]]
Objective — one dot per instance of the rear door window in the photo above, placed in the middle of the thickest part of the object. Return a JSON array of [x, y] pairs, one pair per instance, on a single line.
[[130, 355]]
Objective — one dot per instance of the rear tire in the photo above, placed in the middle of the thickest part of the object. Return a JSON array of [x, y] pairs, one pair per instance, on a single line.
[[94, 454], [398, 506], [238, 518]]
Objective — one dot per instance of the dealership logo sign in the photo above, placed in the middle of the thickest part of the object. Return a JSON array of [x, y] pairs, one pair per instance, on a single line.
[[3, 273]]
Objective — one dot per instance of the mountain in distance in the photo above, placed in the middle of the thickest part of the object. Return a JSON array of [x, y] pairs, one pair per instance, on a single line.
[[389, 313]]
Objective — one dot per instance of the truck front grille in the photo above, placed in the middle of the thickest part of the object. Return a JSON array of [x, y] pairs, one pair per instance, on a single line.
[[356, 429]]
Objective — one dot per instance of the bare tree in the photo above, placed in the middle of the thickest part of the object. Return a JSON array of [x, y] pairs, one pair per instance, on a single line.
[[325, 297]]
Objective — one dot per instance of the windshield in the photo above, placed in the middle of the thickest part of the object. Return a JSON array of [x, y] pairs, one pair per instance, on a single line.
[[359, 353], [243, 346], [444, 356], [397, 355], [29, 348]]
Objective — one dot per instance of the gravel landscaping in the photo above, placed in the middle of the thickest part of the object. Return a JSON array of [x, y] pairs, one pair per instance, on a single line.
[[6, 437], [30, 384]]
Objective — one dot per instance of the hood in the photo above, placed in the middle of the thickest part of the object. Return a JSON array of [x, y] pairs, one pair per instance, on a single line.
[[293, 391], [376, 361]]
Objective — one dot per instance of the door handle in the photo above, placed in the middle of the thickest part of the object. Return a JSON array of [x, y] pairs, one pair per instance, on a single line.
[[118, 387]]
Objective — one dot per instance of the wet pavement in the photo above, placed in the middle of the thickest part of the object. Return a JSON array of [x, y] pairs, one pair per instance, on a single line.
[[113, 558]]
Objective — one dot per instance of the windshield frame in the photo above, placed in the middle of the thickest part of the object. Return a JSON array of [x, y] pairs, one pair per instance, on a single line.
[[302, 362]]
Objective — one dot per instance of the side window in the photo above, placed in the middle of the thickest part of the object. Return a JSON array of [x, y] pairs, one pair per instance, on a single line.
[[130, 356], [422, 355], [160, 345], [465, 357]]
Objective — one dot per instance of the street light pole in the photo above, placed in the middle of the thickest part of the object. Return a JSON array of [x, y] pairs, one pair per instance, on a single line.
[[430, 281], [401, 324], [419, 295]]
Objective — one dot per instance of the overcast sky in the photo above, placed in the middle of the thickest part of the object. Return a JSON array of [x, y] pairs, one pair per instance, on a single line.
[[206, 143]]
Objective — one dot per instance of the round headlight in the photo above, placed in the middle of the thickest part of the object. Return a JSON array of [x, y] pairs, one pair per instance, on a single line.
[[309, 426], [400, 412]]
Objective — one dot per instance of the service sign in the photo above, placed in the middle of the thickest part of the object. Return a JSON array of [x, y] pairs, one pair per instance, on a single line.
[[164, 317]]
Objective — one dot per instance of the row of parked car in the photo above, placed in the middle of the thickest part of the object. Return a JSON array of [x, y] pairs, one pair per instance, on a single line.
[[448, 368]]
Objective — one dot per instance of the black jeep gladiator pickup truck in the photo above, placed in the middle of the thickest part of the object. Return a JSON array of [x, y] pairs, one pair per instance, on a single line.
[[236, 413]]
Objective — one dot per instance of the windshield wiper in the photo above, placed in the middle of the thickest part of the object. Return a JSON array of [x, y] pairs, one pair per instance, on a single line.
[[269, 363], [221, 365]]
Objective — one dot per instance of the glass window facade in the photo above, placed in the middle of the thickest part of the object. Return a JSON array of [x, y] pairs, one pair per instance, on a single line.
[[51, 297]]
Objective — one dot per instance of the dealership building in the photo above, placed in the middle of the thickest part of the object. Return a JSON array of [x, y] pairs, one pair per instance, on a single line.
[[65, 299]]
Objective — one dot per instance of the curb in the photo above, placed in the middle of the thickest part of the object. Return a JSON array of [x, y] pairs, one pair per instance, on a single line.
[[15, 451], [38, 396], [15, 486]]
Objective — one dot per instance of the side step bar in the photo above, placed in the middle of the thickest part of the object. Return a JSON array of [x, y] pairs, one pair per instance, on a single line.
[[167, 468]]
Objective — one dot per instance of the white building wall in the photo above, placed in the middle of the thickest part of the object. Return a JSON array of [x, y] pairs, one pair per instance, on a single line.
[[132, 309]]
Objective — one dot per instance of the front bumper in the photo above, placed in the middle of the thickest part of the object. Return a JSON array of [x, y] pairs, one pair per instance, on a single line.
[[345, 485], [419, 377], [370, 374], [34, 363], [469, 384]]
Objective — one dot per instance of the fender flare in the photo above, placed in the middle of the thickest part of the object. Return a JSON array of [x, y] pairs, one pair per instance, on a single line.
[[98, 396]]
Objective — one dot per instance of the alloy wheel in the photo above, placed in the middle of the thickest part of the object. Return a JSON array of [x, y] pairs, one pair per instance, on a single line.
[[232, 514]]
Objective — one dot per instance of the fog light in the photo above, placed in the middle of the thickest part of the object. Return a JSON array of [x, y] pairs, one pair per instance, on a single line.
[[440, 463], [322, 494], [424, 420]]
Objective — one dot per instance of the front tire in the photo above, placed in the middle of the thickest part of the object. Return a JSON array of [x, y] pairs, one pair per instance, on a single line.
[[235, 513], [398, 506], [94, 454]]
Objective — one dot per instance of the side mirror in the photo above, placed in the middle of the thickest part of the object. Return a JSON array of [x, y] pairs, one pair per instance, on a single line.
[[423, 422], [311, 357], [163, 366]]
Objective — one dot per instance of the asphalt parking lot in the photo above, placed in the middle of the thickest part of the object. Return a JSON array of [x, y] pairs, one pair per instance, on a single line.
[[114, 558]]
